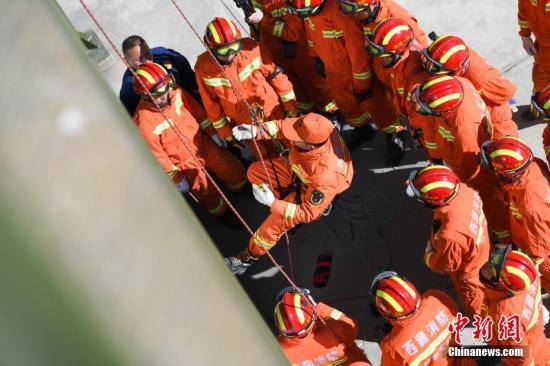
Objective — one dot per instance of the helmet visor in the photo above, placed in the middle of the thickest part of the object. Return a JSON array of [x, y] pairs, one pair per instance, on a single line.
[[432, 66], [421, 107], [163, 86], [229, 48], [376, 50], [350, 7]]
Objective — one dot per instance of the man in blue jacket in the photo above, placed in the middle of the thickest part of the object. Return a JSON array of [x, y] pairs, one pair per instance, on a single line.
[[136, 51]]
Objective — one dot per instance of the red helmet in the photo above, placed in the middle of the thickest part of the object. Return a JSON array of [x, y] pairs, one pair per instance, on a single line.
[[221, 32], [369, 8], [294, 315], [304, 8], [446, 55], [508, 157], [436, 185], [511, 270], [152, 78], [391, 38], [438, 96], [395, 297], [541, 102]]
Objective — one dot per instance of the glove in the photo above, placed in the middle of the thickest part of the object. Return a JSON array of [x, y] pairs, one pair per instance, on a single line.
[[529, 46], [361, 96], [320, 67], [288, 289], [429, 247], [256, 17], [219, 141], [183, 185], [244, 132], [293, 113], [263, 194]]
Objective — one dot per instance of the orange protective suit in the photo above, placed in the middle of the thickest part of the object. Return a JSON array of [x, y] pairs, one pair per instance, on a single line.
[[252, 74], [459, 136], [176, 160], [422, 338], [546, 142], [337, 39], [321, 346], [284, 35], [407, 75], [534, 17], [390, 9], [495, 92], [528, 306], [460, 246], [322, 174], [529, 215]]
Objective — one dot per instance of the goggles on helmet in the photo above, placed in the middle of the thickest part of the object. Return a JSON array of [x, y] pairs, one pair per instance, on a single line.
[[421, 107], [508, 176], [350, 7], [163, 86], [304, 12], [435, 67], [229, 48], [494, 267]]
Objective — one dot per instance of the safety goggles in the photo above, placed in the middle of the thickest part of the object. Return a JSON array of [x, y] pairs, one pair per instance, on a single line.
[[538, 108], [229, 49], [421, 107], [163, 86], [376, 50], [494, 267], [305, 12], [349, 7]]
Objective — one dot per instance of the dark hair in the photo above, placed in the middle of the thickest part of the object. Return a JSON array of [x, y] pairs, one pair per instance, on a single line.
[[135, 40]]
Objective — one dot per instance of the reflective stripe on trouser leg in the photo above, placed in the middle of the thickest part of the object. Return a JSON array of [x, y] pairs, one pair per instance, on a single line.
[[269, 232]]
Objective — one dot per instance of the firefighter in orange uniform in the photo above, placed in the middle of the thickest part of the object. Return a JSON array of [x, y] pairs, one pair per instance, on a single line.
[[525, 183], [419, 323], [391, 43], [533, 19], [541, 103], [305, 340], [459, 241], [164, 138], [449, 55], [284, 35], [513, 301], [462, 125], [337, 40], [248, 70], [318, 168]]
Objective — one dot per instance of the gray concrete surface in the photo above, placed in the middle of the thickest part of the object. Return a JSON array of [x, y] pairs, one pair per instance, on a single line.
[[389, 229]]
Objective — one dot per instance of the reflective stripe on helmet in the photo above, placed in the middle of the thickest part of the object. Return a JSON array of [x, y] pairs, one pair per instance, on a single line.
[[435, 185], [298, 308], [506, 152], [146, 75], [451, 52], [391, 33], [519, 273], [445, 99], [436, 81], [390, 300]]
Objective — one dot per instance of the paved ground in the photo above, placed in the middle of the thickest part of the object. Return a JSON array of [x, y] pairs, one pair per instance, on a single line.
[[374, 225]]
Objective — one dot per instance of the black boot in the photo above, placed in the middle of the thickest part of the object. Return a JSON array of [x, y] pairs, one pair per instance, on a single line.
[[359, 136]]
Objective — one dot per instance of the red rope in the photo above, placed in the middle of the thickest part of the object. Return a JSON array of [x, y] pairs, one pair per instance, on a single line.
[[190, 151], [254, 118]]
